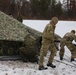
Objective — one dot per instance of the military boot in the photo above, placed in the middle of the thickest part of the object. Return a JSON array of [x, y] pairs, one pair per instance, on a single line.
[[51, 65], [61, 58], [42, 68], [72, 59]]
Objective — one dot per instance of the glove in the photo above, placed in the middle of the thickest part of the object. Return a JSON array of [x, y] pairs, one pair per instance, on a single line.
[[56, 40]]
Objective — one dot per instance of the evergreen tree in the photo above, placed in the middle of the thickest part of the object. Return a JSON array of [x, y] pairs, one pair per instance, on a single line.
[[40, 7], [12, 7], [53, 8], [58, 9], [44, 5], [34, 6]]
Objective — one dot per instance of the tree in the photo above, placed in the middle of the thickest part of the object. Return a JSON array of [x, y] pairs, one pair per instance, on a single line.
[[12, 9], [44, 7], [34, 7], [25, 9], [53, 8], [4, 5], [40, 7], [58, 9], [71, 8]]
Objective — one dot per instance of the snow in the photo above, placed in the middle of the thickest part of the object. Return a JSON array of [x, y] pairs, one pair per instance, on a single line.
[[61, 28], [22, 68]]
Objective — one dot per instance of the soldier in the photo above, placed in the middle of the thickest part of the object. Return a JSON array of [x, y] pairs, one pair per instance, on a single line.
[[48, 43], [67, 41]]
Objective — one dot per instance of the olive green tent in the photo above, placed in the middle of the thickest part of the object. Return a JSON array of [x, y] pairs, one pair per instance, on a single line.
[[11, 29], [12, 34]]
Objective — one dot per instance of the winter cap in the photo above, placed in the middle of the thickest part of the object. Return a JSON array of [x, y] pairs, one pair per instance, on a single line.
[[54, 20], [73, 31]]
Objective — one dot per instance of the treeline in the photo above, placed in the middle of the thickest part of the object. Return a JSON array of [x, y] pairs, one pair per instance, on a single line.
[[39, 9], [46, 9]]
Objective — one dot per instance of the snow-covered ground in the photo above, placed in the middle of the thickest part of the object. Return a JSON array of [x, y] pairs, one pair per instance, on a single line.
[[21, 68]]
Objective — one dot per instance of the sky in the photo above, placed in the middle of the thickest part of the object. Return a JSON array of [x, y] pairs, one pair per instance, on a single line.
[[23, 68]]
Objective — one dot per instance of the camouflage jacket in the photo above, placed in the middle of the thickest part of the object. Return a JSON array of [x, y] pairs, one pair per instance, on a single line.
[[69, 37], [48, 32]]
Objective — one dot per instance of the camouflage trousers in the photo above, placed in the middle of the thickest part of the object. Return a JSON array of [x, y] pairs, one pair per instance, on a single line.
[[47, 45], [70, 46]]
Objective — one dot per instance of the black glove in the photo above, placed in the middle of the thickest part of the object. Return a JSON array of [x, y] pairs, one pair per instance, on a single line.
[[56, 40]]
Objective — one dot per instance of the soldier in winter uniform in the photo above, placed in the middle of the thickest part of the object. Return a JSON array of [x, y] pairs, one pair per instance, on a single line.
[[67, 41], [48, 43]]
